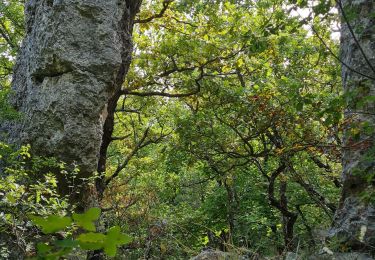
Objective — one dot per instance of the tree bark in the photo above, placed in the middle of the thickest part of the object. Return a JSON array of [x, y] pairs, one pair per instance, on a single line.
[[231, 209], [288, 219], [72, 62], [354, 222]]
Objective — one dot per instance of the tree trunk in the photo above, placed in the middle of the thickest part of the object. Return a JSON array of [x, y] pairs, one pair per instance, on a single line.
[[72, 61], [288, 219], [354, 223], [231, 210]]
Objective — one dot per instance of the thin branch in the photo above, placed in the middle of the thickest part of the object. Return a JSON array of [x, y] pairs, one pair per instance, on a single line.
[[327, 206], [161, 94], [127, 159], [320, 164], [241, 78], [176, 69], [337, 58], [201, 66], [135, 111], [117, 138], [184, 22], [249, 148], [141, 144], [188, 185], [166, 4], [130, 91], [165, 94], [353, 34], [305, 223], [271, 192], [6, 37], [131, 203]]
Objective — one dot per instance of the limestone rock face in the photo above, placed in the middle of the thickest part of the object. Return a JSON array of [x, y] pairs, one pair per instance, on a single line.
[[72, 60], [354, 223]]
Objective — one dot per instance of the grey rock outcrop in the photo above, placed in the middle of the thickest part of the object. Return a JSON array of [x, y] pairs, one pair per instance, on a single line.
[[354, 223], [73, 59], [341, 256]]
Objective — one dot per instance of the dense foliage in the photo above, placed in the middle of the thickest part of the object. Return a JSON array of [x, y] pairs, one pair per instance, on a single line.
[[227, 133]]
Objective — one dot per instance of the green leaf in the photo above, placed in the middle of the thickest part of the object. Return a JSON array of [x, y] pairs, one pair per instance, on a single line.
[[91, 241], [110, 249], [86, 220], [52, 223], [114, 235], [43, 248], [115, 238], [299, 106], [11, 198], [57, 255], [67, 243]]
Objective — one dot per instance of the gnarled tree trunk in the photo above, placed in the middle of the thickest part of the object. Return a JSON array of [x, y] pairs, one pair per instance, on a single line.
[[354, 223], [72, 61]]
